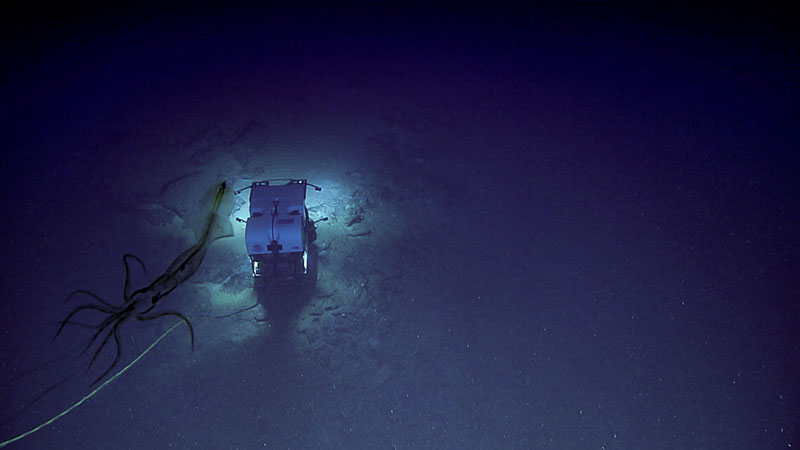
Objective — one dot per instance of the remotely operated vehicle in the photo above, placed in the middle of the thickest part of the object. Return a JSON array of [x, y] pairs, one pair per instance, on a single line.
[[279, 233]]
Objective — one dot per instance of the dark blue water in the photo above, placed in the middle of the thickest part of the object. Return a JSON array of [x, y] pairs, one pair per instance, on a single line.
[[549, 229]]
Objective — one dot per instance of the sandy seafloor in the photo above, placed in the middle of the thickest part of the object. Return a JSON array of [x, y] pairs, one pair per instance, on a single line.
[[572, 232]]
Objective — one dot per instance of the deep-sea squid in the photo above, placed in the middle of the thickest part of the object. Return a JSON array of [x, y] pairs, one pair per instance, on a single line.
[[140, 304]]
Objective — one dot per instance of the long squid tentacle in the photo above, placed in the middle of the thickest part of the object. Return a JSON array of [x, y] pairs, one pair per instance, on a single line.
[[91, 326], [90, 294], [87, 306], [99, 349], [109, 321], [171, 313], [118, 345]]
